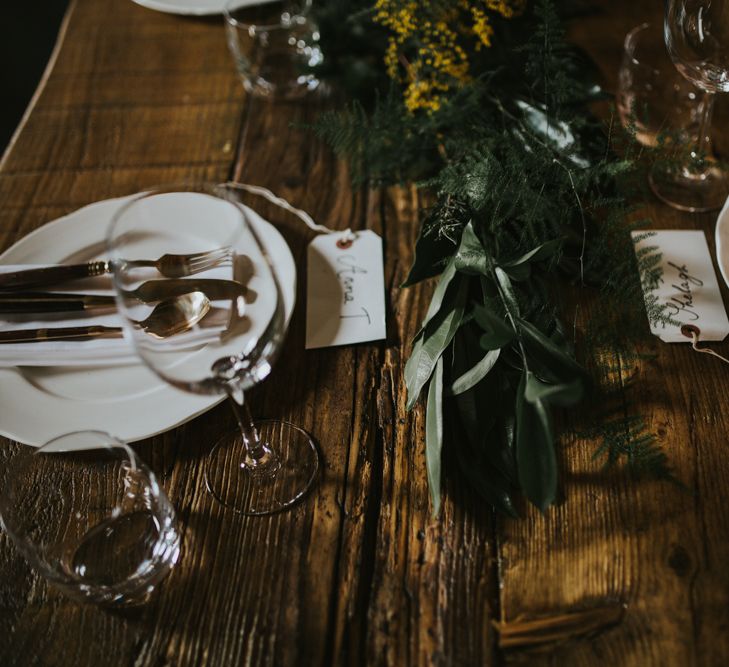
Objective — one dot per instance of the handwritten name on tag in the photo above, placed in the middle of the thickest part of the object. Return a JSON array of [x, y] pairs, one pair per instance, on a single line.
[[689, 289], [345, 290]]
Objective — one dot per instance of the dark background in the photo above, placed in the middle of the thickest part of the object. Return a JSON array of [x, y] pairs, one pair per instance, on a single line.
[[28, 32]]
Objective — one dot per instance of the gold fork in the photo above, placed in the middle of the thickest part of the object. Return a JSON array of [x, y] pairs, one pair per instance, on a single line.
[[170, 266]]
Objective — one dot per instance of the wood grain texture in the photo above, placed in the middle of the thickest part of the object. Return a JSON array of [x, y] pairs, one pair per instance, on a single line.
[[618, 573]]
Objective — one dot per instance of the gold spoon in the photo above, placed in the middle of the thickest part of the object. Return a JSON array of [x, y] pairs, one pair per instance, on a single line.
[[175, 315], [169, 317]]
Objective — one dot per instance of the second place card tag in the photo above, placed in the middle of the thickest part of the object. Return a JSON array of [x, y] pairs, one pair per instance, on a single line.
[[688, 290], [345, 290]]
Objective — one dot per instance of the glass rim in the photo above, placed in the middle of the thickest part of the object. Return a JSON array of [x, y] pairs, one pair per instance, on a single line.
[[629, 40], [107, 441], [233, 5], [209, 188]]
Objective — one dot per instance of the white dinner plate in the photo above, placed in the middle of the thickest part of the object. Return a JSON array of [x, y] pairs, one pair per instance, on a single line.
[[195, 7], [130, 402], [722, 241]]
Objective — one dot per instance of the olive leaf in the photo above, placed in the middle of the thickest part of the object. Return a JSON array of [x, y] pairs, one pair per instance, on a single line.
[[562, 395], [439, 292], [475, 374], [487, 480], [553, 362], [518, 272], [535, 458], [471, 258], [498, 333], [434, 338], [541, 252], [430, 252], [507, 291], [434, 434], [482, 443], [520, 268]]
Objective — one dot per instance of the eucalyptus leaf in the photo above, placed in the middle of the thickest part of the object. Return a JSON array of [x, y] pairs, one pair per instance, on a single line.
[[431, 250], [439, 292], [481, 413], [478, 406], [518, 272], [471, 257], [483, 455], [488, 482], [562, 395], [475, 374], [488, 287], [498, 333], [507, 291], [535, 457], [433, 340], [541, 252], [434, 435], [554, 361]]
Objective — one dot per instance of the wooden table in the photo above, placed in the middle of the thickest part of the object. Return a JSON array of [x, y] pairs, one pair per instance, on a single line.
[[359, 573]]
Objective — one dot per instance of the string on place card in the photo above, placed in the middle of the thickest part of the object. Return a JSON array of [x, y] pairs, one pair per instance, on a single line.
[[345, 289], [347, 235], [693, 332]]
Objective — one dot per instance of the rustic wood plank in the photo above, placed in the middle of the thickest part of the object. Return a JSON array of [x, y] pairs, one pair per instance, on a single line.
[[360, 573], [650, 546]]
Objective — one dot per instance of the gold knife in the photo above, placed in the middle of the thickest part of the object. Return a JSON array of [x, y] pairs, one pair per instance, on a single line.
[[50, 275], [59, 333], [52, 302]]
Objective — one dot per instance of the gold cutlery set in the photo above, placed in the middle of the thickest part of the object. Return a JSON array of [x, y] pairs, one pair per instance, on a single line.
[[180, 303]]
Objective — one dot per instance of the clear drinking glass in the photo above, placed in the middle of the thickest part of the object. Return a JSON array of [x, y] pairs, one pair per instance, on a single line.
[[697, 37], [654, 101], [91, 517], [275, 56], [264, 467]]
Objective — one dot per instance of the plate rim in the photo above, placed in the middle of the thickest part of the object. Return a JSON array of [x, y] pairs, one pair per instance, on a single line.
[[194, 404], [722, 224], [169, 7]]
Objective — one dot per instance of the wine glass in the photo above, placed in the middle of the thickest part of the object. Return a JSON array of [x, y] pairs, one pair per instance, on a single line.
[[275, 56], [696, 33], [655, 103], [265, 466]]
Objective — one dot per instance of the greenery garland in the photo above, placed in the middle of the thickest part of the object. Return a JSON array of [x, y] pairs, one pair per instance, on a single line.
[[484, 104]]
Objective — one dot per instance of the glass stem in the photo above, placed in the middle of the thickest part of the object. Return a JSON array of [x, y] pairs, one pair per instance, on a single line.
[[259, 459], [702, 147]]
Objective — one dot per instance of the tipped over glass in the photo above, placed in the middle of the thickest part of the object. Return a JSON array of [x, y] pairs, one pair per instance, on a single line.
[[89, 515]]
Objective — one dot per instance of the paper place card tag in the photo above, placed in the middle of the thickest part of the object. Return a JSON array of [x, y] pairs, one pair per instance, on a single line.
[[689, 289], [345, 290]]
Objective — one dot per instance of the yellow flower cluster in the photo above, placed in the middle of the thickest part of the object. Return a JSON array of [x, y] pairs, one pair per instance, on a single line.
[[427, 51]]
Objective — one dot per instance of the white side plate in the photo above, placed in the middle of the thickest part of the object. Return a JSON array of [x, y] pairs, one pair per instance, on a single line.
[[195, 7], [130, 402], [722, 242]]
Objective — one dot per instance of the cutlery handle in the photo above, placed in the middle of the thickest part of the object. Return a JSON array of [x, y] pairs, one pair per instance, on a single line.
[[58, 333], [51, 275], [46, 302]]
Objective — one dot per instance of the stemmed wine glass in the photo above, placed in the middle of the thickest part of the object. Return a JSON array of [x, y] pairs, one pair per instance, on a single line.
[[697, 37], [265, 466]]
